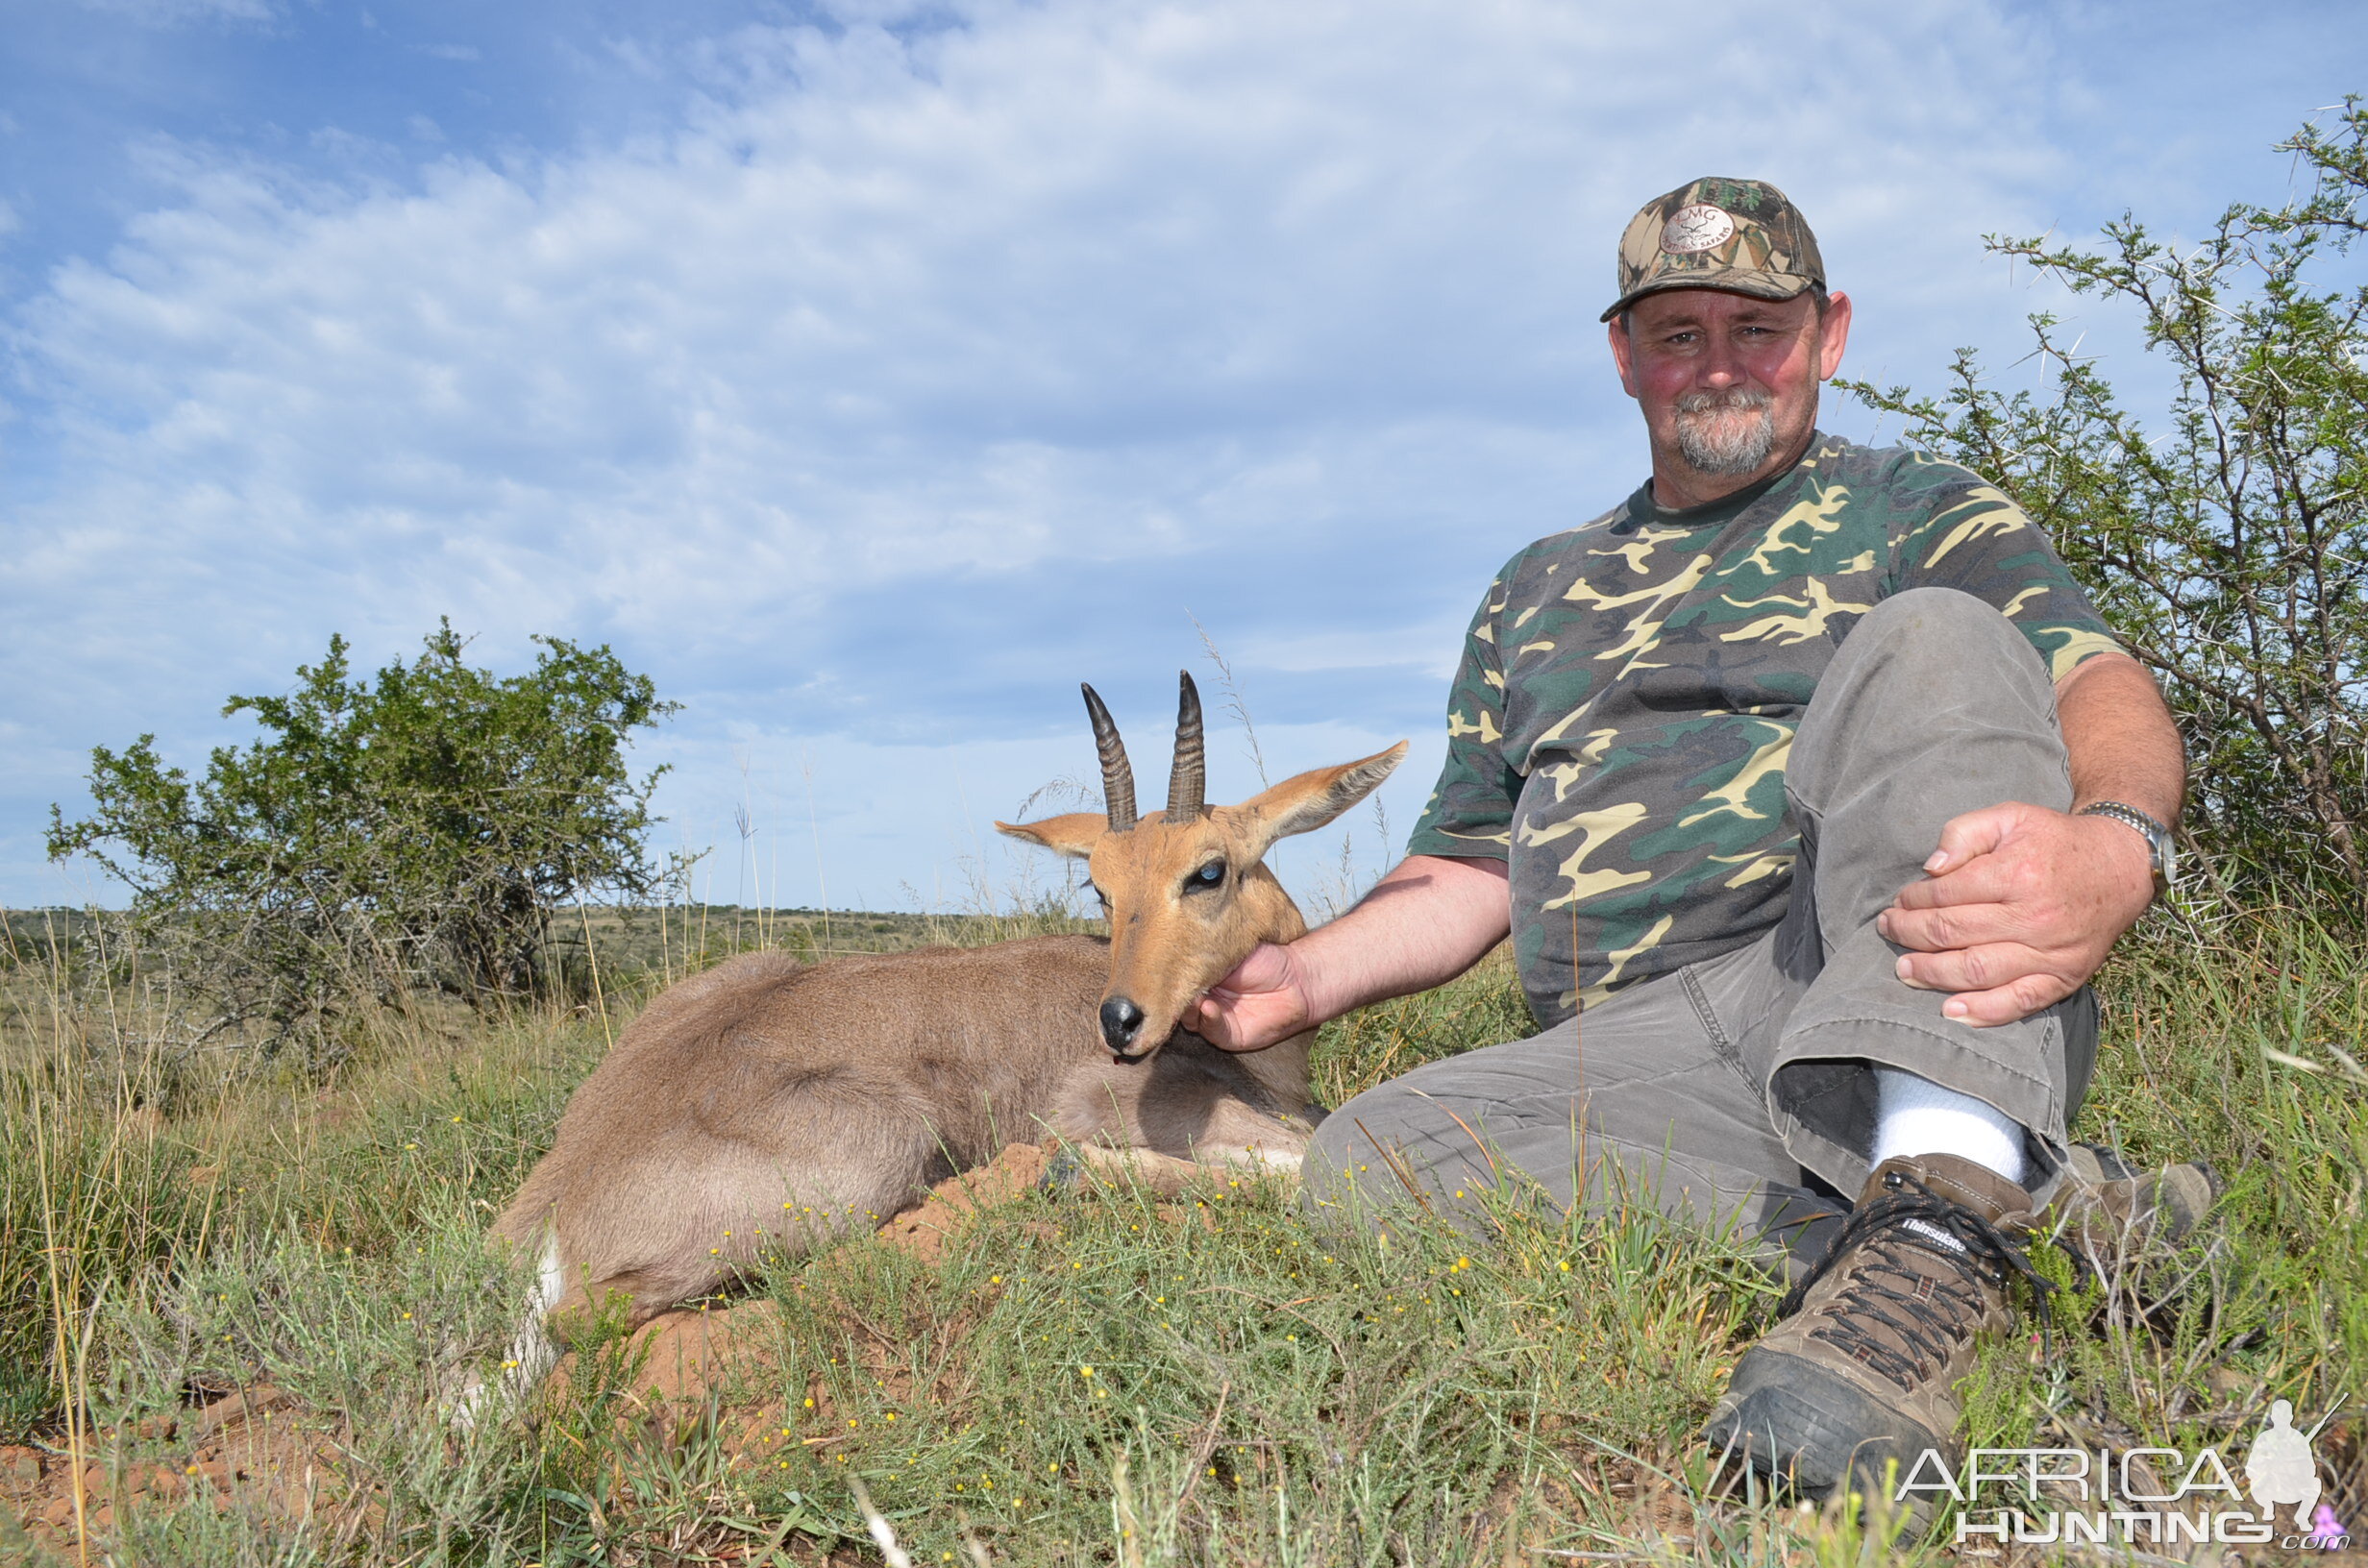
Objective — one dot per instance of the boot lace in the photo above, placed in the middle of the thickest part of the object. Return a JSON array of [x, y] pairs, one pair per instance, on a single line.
[[1926, 1315]]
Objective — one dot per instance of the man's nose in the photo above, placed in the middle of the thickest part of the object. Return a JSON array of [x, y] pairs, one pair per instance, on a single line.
[[1721, 368]]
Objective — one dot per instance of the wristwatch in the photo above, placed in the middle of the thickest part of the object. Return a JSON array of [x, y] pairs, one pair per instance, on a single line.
[[2160, 853]]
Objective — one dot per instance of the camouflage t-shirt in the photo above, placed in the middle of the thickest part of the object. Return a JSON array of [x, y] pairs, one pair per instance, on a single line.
[[1629, 689]]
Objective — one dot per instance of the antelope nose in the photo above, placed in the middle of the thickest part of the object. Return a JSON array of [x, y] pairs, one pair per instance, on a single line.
[[1122, 1020]]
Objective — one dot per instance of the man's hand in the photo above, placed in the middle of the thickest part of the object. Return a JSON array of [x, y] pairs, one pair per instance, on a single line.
[[1260, 1003], [2017, 909]]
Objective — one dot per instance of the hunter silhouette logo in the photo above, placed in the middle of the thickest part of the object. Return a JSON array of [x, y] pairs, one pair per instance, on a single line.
[[2282, 1468]]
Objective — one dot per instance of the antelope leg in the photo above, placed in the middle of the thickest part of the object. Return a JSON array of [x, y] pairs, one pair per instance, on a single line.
[[1161, 1173], [1168, 1176]]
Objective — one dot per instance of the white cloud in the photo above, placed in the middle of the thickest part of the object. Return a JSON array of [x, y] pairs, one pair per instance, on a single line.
[[916, 373]]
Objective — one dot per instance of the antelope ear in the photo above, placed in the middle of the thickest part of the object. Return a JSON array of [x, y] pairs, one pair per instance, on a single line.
[[1305, 803], [1075, 834]]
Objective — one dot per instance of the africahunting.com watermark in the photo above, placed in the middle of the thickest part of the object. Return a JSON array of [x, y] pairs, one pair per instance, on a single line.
[[2137, 1496]]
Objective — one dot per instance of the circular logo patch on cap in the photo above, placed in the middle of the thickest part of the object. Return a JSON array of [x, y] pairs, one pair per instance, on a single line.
[[1700, 226]]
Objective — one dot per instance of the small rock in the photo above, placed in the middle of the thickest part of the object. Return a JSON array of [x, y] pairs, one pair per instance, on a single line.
[[154, 1481], [247, 1402], [20, 1469]]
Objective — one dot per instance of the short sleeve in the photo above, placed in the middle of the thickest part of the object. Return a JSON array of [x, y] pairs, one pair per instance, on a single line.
[[1471, 810], [1969, 535]]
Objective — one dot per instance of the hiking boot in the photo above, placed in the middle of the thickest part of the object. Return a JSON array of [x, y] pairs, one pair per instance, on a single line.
[[2108, 1216], [1862, 1367]]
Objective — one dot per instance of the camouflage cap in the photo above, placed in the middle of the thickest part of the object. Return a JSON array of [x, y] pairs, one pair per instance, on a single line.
[[1740, 235]]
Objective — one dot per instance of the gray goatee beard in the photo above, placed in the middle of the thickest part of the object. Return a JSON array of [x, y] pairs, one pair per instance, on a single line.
[[1726, 433]]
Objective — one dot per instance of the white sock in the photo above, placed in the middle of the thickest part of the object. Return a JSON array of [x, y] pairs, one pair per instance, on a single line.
[[1915, 1115]]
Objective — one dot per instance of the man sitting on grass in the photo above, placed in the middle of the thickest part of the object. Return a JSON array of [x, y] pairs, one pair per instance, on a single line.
[[1811, 791]]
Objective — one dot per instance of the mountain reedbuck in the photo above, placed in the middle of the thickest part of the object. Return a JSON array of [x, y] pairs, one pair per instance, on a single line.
[[768, 1105]]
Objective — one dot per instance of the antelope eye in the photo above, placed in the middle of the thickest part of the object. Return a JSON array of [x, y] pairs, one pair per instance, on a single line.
[[1209, 876]]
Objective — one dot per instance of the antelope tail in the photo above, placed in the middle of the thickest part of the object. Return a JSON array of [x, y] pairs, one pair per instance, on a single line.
[[533, 1352]]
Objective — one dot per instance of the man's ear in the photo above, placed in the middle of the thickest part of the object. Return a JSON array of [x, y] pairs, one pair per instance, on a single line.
[[1303, 803], [1075, 834], [1624, 351], [1832, 336]]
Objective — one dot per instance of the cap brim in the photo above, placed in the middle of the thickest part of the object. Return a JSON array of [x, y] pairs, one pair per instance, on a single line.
[[1758, 285]]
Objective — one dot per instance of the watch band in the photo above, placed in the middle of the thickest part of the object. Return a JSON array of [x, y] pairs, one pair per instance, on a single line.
[[2161, 857]]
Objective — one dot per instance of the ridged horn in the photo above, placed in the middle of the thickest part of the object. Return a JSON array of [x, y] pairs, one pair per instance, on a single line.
[[1188, 782], [1117, 779]]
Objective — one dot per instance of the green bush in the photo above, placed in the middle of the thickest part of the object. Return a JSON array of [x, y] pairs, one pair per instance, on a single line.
[[2230, 549], [415, 831]]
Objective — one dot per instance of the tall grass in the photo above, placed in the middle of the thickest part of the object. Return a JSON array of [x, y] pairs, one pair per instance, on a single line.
[[1118, 1378]]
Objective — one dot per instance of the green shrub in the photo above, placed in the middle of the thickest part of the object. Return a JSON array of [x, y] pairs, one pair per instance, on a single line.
[[415, 831], [2230, 549]]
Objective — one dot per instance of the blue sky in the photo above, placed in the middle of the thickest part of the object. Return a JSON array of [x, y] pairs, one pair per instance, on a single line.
[[871, 374]]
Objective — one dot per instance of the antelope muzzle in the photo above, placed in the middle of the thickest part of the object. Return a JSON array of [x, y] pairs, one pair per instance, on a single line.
[[1122, 1027]]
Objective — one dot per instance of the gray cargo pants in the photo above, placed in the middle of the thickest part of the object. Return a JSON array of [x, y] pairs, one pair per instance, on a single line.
[[1738, 1093]]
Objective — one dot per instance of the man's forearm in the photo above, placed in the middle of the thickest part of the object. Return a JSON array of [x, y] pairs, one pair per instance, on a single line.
[[2120, 738], [1426, 922]]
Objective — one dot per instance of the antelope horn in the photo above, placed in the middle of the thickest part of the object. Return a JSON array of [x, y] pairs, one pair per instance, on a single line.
[[1117, 779], [1189, 780]]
